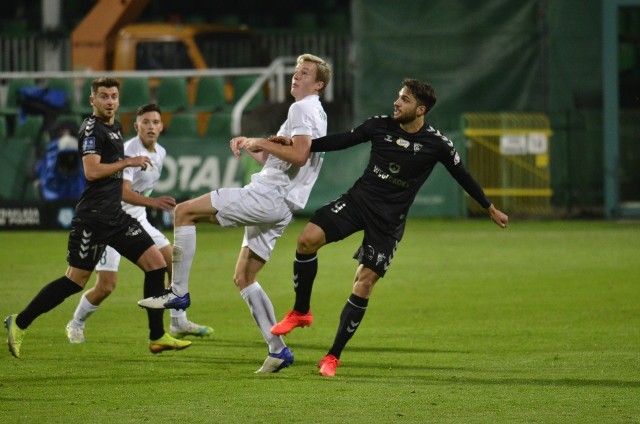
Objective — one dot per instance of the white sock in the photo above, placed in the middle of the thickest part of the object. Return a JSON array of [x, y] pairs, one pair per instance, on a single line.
[[263, 314], [178, 318], [83, 311], [184, 249]]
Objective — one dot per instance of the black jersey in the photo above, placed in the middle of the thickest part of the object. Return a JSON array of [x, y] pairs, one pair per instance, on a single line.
[[399, 164], [101, 196]]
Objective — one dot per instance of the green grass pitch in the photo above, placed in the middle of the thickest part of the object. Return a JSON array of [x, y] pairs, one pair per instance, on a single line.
[[539, 323]]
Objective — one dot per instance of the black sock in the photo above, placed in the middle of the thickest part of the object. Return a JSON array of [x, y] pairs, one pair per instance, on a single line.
[[49, 297], [350, 319], [154, 286], [305, 268]]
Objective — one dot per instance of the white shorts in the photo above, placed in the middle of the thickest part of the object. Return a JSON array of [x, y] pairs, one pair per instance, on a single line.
[[261, 210], [110, 260]]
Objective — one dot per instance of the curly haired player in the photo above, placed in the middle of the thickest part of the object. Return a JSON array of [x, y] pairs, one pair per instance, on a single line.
[[404, 150]]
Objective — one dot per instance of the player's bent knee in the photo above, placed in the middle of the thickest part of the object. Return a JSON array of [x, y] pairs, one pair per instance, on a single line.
[[106, 283], [309, 243], [151, 260], [180, 213], [239, 282], [104, 291]]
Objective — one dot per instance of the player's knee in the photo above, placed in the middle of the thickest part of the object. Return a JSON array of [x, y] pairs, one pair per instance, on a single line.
[[365, 281], [308, 243], [363, 288], [105, 289], [180, 214], [240, 281], [105, 284]]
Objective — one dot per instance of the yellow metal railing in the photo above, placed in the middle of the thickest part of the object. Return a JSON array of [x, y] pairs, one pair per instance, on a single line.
[[508, 153]]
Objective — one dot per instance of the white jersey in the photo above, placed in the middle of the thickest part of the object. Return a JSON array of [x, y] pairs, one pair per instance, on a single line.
[[142, 181], [305, 117]]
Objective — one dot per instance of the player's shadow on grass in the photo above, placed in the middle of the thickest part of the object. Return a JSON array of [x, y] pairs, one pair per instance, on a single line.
[[377, 349], [540, 382]]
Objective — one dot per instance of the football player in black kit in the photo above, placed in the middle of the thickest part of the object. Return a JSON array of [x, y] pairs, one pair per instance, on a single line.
[[404, 151], [99, 220]]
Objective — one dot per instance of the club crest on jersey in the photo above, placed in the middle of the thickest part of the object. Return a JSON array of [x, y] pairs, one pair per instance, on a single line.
[[417, 147], [402, 143], [369, 252], [89, 144]]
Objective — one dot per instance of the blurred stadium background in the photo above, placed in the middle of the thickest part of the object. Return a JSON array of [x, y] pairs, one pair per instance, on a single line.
[[542, 98]]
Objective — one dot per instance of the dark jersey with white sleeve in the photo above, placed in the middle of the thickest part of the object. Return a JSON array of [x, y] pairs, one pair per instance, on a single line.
[[399, 164], [102, 196]]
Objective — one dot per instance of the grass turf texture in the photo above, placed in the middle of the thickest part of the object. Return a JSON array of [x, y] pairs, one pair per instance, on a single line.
[[538, 323]]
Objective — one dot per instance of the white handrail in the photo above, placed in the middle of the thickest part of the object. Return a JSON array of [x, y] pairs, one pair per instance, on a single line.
[[275, 73], [133, 74], [277, 67]]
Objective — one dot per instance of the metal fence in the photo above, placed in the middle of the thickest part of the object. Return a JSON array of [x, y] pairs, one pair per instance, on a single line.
[[34, 53], [508, 153]]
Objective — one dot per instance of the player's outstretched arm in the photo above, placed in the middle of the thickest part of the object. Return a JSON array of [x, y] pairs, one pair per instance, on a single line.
[[499, 217]]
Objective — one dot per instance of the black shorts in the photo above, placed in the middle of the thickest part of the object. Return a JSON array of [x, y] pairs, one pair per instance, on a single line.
[[344, 216], [90, 235]]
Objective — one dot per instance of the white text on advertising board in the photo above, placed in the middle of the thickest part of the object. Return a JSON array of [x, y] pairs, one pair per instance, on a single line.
[[197, 174]]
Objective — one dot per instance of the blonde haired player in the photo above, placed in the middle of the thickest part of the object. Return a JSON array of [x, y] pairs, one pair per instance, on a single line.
[[264, 207]]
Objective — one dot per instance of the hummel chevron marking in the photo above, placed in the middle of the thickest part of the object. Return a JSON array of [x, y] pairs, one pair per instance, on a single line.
[[83, 255], [354, 325], [84, 233], [295, 281]]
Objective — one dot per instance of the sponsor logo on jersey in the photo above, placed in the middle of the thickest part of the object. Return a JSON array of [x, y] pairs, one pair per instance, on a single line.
[[114, 136], [403, 143], [133, 231], [417, 147], [388, 138], [381, 258], [387, 177], [394, 167], [89, 144]]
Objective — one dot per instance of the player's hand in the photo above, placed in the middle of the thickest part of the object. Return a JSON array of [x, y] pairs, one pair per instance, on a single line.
[[140, 162], [236, 144], [164, 203], [279, 139], [499, 217], [253, 144]]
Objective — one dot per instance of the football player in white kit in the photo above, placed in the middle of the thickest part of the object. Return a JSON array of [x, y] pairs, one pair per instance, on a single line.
[[137, 187], [264, 207]]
